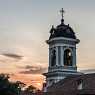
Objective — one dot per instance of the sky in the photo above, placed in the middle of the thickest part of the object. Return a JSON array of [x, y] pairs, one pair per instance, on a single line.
[[24, 27]]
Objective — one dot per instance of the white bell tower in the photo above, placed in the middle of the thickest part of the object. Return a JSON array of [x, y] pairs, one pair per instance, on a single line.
[[62, 53]]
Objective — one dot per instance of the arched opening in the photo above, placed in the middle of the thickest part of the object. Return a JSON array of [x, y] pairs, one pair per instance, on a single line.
[[67, 57], [80, 84], [53, 58]]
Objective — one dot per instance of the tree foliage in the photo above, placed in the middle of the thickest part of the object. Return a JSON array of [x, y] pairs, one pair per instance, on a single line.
[[31, 89], [9, 88]]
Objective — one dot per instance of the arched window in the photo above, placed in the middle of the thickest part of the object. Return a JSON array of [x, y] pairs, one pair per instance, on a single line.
[[80, 84], [67, 57], [53, 58]]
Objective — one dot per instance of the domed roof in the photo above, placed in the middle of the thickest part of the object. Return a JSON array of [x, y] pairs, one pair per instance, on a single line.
[[62, 30]]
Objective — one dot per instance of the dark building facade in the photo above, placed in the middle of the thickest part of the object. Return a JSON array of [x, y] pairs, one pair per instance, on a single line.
[[74, 85]]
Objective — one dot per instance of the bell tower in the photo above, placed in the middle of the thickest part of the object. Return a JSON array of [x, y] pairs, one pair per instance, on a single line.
[[62, 53]]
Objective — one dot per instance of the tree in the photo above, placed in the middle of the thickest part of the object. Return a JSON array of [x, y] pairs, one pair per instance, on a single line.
[[31, 89], [9, 88]]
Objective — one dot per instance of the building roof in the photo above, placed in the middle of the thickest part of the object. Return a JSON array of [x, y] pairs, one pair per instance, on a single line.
[[62, 30], [71, 84]]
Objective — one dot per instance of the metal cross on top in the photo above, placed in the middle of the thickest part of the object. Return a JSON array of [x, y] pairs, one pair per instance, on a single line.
[[62, 11]]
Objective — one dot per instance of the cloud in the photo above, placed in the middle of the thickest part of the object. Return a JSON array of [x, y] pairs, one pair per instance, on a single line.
[[34, 69], [12, 55]]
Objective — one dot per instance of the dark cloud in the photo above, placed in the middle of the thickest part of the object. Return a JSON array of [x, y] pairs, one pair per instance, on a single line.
[[34, 70], [12, 55]]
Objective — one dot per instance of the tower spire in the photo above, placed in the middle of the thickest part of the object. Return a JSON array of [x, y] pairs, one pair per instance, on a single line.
[[62, 11]]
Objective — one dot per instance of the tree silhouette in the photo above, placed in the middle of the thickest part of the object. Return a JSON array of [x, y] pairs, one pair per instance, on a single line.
[[9, 88], [31, 89]]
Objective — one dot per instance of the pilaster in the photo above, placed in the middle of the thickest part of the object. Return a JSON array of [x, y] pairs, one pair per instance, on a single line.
[[57, 56], [62, 56]]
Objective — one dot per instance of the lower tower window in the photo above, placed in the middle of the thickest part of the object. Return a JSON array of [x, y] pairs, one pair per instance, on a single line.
[[80, 84]]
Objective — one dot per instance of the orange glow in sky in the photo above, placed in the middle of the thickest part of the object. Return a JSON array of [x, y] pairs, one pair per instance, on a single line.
[[35, 80]]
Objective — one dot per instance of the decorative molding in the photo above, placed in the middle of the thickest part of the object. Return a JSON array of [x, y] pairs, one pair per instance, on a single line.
[[63, 38], [52, 46]]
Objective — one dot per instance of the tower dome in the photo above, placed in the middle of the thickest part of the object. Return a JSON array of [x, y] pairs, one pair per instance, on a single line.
[[62, 30]]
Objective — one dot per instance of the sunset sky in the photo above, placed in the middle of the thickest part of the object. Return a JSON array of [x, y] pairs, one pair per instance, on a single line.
[[24, 27]]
